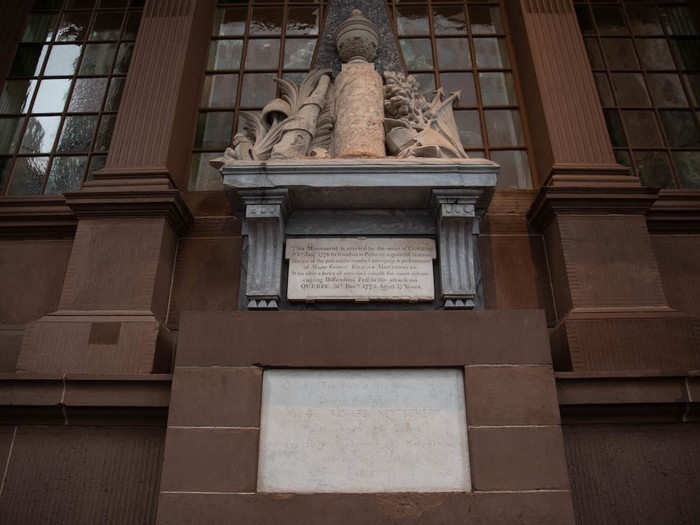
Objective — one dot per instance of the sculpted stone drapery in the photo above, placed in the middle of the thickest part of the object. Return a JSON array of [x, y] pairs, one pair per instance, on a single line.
[[320, 119]]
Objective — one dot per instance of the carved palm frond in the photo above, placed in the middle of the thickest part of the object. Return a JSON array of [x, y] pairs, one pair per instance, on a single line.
[[253, 125], [444, 120]]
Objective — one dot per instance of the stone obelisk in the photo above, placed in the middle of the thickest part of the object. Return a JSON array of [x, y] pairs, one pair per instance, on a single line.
[[359, 127]]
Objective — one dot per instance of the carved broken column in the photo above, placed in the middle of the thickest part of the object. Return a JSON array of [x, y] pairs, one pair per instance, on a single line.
[[457, 225], [264, 216], [359, 130]]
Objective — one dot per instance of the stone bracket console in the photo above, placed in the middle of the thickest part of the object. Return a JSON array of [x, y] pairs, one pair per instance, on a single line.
[[336, 196]]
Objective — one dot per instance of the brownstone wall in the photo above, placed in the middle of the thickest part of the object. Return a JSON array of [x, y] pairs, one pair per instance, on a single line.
[[631, 474], [66, 475]]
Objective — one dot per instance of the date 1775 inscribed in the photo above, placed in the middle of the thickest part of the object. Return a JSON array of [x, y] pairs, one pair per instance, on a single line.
[[360, 269]]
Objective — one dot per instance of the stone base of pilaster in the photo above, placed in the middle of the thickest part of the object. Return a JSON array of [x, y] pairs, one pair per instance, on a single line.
[[96, 342]]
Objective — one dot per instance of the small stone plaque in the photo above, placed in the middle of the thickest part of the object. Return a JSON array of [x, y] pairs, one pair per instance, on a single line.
[[360, 269]]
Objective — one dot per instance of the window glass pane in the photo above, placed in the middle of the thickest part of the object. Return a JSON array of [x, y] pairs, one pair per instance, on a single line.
[[585, 20], [491, 53], [28, 176], [623, 157], [449, 20], [39, 28], [123, 58], [642, 128], [604, 90], [298, 53], [266, 21], [595, 56], [114, 94], [413, 20], [630, 89], [5, 164], [10, 129], [688, 165], [72, 27], [619, 53], [693, 81], [97, 162], [417, 52], [427, 84], [681, 129], [515, 170], [644, 20], [63, 60], [131, 27], [66, 174], [679, 20], [504, 128], [28, 60], [258, 89], [16, 96], [203, 177], [463, 82], [453, 53], [469, 126], [214, 129], [52, 95], [225, 54], [302, 21], [79, 4], [77, 134], [230, 21], [666, 89], [107, 26], [617, 135], [688, 50], [263, 54], [609, 20], [497, 89], [104, 133], [87, 95], [40, 135], [98, 59], [483, 19], [654, 169], [655, 53], [219, 91]]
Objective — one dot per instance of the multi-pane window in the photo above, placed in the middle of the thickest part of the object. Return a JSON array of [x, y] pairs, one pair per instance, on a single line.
[[646, 61], [465, 46], [59, 102], [252, 44]]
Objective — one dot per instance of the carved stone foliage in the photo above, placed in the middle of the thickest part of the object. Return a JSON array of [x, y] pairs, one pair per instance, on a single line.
[[415, 127], [287, 126]]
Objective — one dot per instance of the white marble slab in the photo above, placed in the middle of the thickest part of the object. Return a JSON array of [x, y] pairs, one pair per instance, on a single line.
[[358, 431], [360, 269]]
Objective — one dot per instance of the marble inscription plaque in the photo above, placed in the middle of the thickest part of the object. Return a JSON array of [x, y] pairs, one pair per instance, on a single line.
[[360, 269], [371, 430]]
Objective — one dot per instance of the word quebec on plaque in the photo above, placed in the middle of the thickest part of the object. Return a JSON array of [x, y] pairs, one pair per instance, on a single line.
[[360, 269]]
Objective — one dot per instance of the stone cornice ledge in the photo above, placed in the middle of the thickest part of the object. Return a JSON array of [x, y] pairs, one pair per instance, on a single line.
[[675, 211], [365, 183], [36, 216]]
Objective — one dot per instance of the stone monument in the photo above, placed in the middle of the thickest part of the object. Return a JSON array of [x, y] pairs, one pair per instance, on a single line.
[[358, 177]]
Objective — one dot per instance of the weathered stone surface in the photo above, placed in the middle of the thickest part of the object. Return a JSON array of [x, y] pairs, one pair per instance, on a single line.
[[359, 128], [388, 58], [356, 431], [361, 269]]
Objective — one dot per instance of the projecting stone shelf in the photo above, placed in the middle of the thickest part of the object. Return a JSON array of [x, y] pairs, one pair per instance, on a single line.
[[365, 183], [431, 198]]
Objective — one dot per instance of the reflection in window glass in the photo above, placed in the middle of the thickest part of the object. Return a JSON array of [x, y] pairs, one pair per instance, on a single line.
[[657, 131], [58, 105]]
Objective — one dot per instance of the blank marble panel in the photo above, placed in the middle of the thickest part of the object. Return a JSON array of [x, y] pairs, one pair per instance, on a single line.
[[363, 430]]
